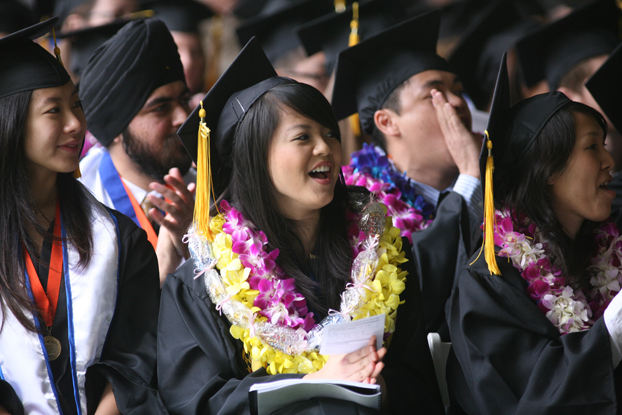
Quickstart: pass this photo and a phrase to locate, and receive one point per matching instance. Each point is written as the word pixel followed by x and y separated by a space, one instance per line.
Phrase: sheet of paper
pixel 349 337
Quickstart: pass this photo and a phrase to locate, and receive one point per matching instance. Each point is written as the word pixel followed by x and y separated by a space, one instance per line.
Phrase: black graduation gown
pixel 201 369
pixel 512 360
pixel 616 205
pixel 441 252
pixel 128 358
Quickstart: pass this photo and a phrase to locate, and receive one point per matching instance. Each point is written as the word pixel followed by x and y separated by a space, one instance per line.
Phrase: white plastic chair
pixel 439 351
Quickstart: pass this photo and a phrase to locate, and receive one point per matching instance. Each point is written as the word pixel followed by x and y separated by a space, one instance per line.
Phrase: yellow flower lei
pixel 383 297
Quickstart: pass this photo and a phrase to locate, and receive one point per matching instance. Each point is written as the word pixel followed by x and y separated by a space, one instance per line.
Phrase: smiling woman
pixel 71 338
pixel 285 244
pixel 535 320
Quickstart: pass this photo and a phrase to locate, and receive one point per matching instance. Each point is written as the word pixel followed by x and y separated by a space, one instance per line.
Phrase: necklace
pixel 372 169
pixel 266 312
pixel 48 301
pixel 570 310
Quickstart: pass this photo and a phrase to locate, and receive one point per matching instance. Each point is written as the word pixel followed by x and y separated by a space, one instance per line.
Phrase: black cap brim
pixel 606 87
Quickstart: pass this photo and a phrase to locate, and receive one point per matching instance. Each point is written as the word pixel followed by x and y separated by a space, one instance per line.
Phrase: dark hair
pixel 394 104
pixel 252 192
pixel 18 212
pixel 526 190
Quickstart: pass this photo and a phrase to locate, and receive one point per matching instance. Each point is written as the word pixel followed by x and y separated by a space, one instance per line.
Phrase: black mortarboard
pixel 180 15
pixel 247 78
pixel 14 16
pixel 330 33
pixel 245 9
pixel 606 87
pixel 123 72
pixel 367 73
pixel 223 108
pixel 275 27
pixel 476 58
pixel 25 66
pixel 553 50
pixel 85 41
pixel 511 132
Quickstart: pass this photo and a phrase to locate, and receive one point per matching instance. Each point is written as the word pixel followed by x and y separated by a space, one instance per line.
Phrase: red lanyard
pixel 47 302
pixel 142 218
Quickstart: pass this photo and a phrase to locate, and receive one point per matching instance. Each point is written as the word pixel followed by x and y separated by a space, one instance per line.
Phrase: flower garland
pixel 372 169
pixel 570 310
pixel 267 314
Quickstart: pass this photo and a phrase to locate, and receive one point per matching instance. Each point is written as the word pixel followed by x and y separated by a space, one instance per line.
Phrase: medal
pixel 47 301
pixel 52 346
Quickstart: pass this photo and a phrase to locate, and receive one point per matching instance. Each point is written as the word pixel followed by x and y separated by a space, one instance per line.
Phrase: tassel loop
pixel 204 180
pixel 354 39
pixel 489 213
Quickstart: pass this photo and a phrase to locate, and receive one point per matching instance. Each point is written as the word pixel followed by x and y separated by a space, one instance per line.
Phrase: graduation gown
pixel 127 357
pixel 512 360
pixel 201 369
pixel 441 252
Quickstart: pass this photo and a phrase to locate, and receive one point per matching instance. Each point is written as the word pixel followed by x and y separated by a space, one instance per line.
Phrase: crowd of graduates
pixel 194 190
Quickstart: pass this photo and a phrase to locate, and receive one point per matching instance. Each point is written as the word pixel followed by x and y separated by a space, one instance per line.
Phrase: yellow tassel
pixel 77 173
pixel 489 213
pixel 57 49
pixel 354 39
pixel 340 6
pixel 204 180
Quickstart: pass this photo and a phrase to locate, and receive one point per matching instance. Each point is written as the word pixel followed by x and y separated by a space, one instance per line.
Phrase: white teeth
pixel 321 169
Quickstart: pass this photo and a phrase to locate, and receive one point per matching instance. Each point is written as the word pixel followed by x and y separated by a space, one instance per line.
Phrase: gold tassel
pixel 57 49
pixel 340 6
pixel 204 179
pixel 77 173
pixel 489 213
pixel 354 39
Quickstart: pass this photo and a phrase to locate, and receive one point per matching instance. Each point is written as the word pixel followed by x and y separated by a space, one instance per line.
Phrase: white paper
pixel 349 337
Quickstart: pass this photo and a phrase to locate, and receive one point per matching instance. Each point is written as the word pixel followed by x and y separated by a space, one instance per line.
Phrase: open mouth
pixel 321 172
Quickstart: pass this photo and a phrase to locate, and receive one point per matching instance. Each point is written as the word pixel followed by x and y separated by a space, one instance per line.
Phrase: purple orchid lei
pixel 277 298
pixel 373 170
pixel 570 310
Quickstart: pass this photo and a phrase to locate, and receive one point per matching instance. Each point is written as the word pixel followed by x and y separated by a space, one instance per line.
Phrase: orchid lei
pixel 372 169
pixel 570 310
pixel 267 314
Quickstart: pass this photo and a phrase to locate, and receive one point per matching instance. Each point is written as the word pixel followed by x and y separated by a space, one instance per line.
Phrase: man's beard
pixel 157 165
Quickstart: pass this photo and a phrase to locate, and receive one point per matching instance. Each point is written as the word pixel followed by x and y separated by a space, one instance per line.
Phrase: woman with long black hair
pixel 78 282
pixel 287 251
pixel 535 321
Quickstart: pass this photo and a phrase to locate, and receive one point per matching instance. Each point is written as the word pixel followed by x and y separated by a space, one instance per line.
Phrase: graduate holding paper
pixel 286 246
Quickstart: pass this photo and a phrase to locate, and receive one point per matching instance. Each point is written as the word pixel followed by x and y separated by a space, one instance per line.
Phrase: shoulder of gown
pixel 513 360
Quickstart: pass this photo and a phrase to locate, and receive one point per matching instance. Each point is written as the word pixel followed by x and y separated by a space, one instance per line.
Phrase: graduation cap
pixel 553 50
pixel 245 9
pixel 367 73
pixel 511 132
pixel 476 58
pixel 606 87
pixel 25 66
pixel 275 27
pixel 85 41
pixel 123 72
pixel 331 33
pixel 209 131
pixel 180 15
pixel 14 16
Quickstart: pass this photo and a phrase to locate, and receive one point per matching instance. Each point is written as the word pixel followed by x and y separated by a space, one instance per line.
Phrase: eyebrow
pixel 57 98
pixel 435 82
pixel 301 126
pixel 164 99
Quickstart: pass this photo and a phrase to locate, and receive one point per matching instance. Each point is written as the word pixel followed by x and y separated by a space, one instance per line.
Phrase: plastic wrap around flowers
pixel 372 169
pixel 261 302
pixel 570 310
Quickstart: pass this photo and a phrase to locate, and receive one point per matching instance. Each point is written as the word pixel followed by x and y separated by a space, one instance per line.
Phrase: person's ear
pixel 385 121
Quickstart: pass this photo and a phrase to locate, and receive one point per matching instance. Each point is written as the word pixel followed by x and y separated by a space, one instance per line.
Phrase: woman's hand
pixel 107 403
pixel 363 365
